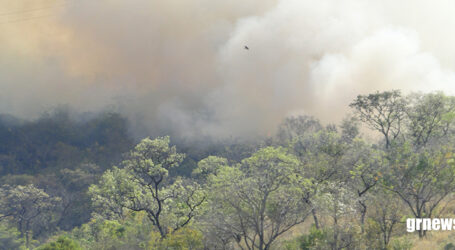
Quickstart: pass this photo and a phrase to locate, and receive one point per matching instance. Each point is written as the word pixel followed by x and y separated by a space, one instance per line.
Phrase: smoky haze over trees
pixel 87 184
pixel 180 68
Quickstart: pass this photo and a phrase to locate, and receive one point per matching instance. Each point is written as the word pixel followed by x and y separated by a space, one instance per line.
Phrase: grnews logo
pixel 428 224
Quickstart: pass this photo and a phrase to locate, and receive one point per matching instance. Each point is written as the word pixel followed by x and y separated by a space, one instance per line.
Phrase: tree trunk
pixel 315 218
pixel 422 233
pixel 27 234
pixel 160 228
pixel 155 220
pixel 363 212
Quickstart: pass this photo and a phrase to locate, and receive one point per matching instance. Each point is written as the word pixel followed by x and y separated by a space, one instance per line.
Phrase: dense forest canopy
pixel 72 183
pixel 58 141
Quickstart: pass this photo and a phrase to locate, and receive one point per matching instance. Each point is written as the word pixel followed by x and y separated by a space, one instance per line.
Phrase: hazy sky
pixel 179 65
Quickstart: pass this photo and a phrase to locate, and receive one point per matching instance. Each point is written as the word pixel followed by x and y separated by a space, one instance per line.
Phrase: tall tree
pixel 28 207
pixel 295 127
pixel 321 154
pixel 421 179
pixel 429 117
pixel 257 201
pixel 383 112
pixel 143 184
pixel 387 213
pixel 365 166
pixel 337 202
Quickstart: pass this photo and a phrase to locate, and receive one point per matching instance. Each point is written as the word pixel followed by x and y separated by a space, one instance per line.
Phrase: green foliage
pixel 10 238
pixel 423 178
pixel 373 234
pixel 401 244
pixel 72 186
pixel 383 112
pixel 208 166
pixel 183 239
pixel 314 238
pixel 257 197
pixel 321 154
pixel 244 194
pixel 449 246
pixel 297 127
pixel 320 239
pixel 130 233
pixel 61 243
pixel 53 153
pixel 29 208
pixel 141 186
pixel 57 140
pixel 21 179
pixel 429 117
pixel 102 234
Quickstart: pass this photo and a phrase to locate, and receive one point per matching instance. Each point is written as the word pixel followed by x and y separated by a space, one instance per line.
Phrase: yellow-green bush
pixel 183 239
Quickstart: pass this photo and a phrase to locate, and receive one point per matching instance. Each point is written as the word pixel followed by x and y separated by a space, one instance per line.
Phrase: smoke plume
pixel 180 67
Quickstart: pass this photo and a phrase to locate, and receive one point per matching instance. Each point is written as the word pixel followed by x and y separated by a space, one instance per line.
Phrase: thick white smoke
pixel 179 66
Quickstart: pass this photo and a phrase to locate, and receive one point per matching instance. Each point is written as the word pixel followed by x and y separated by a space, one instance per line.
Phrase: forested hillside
pixel 84 182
